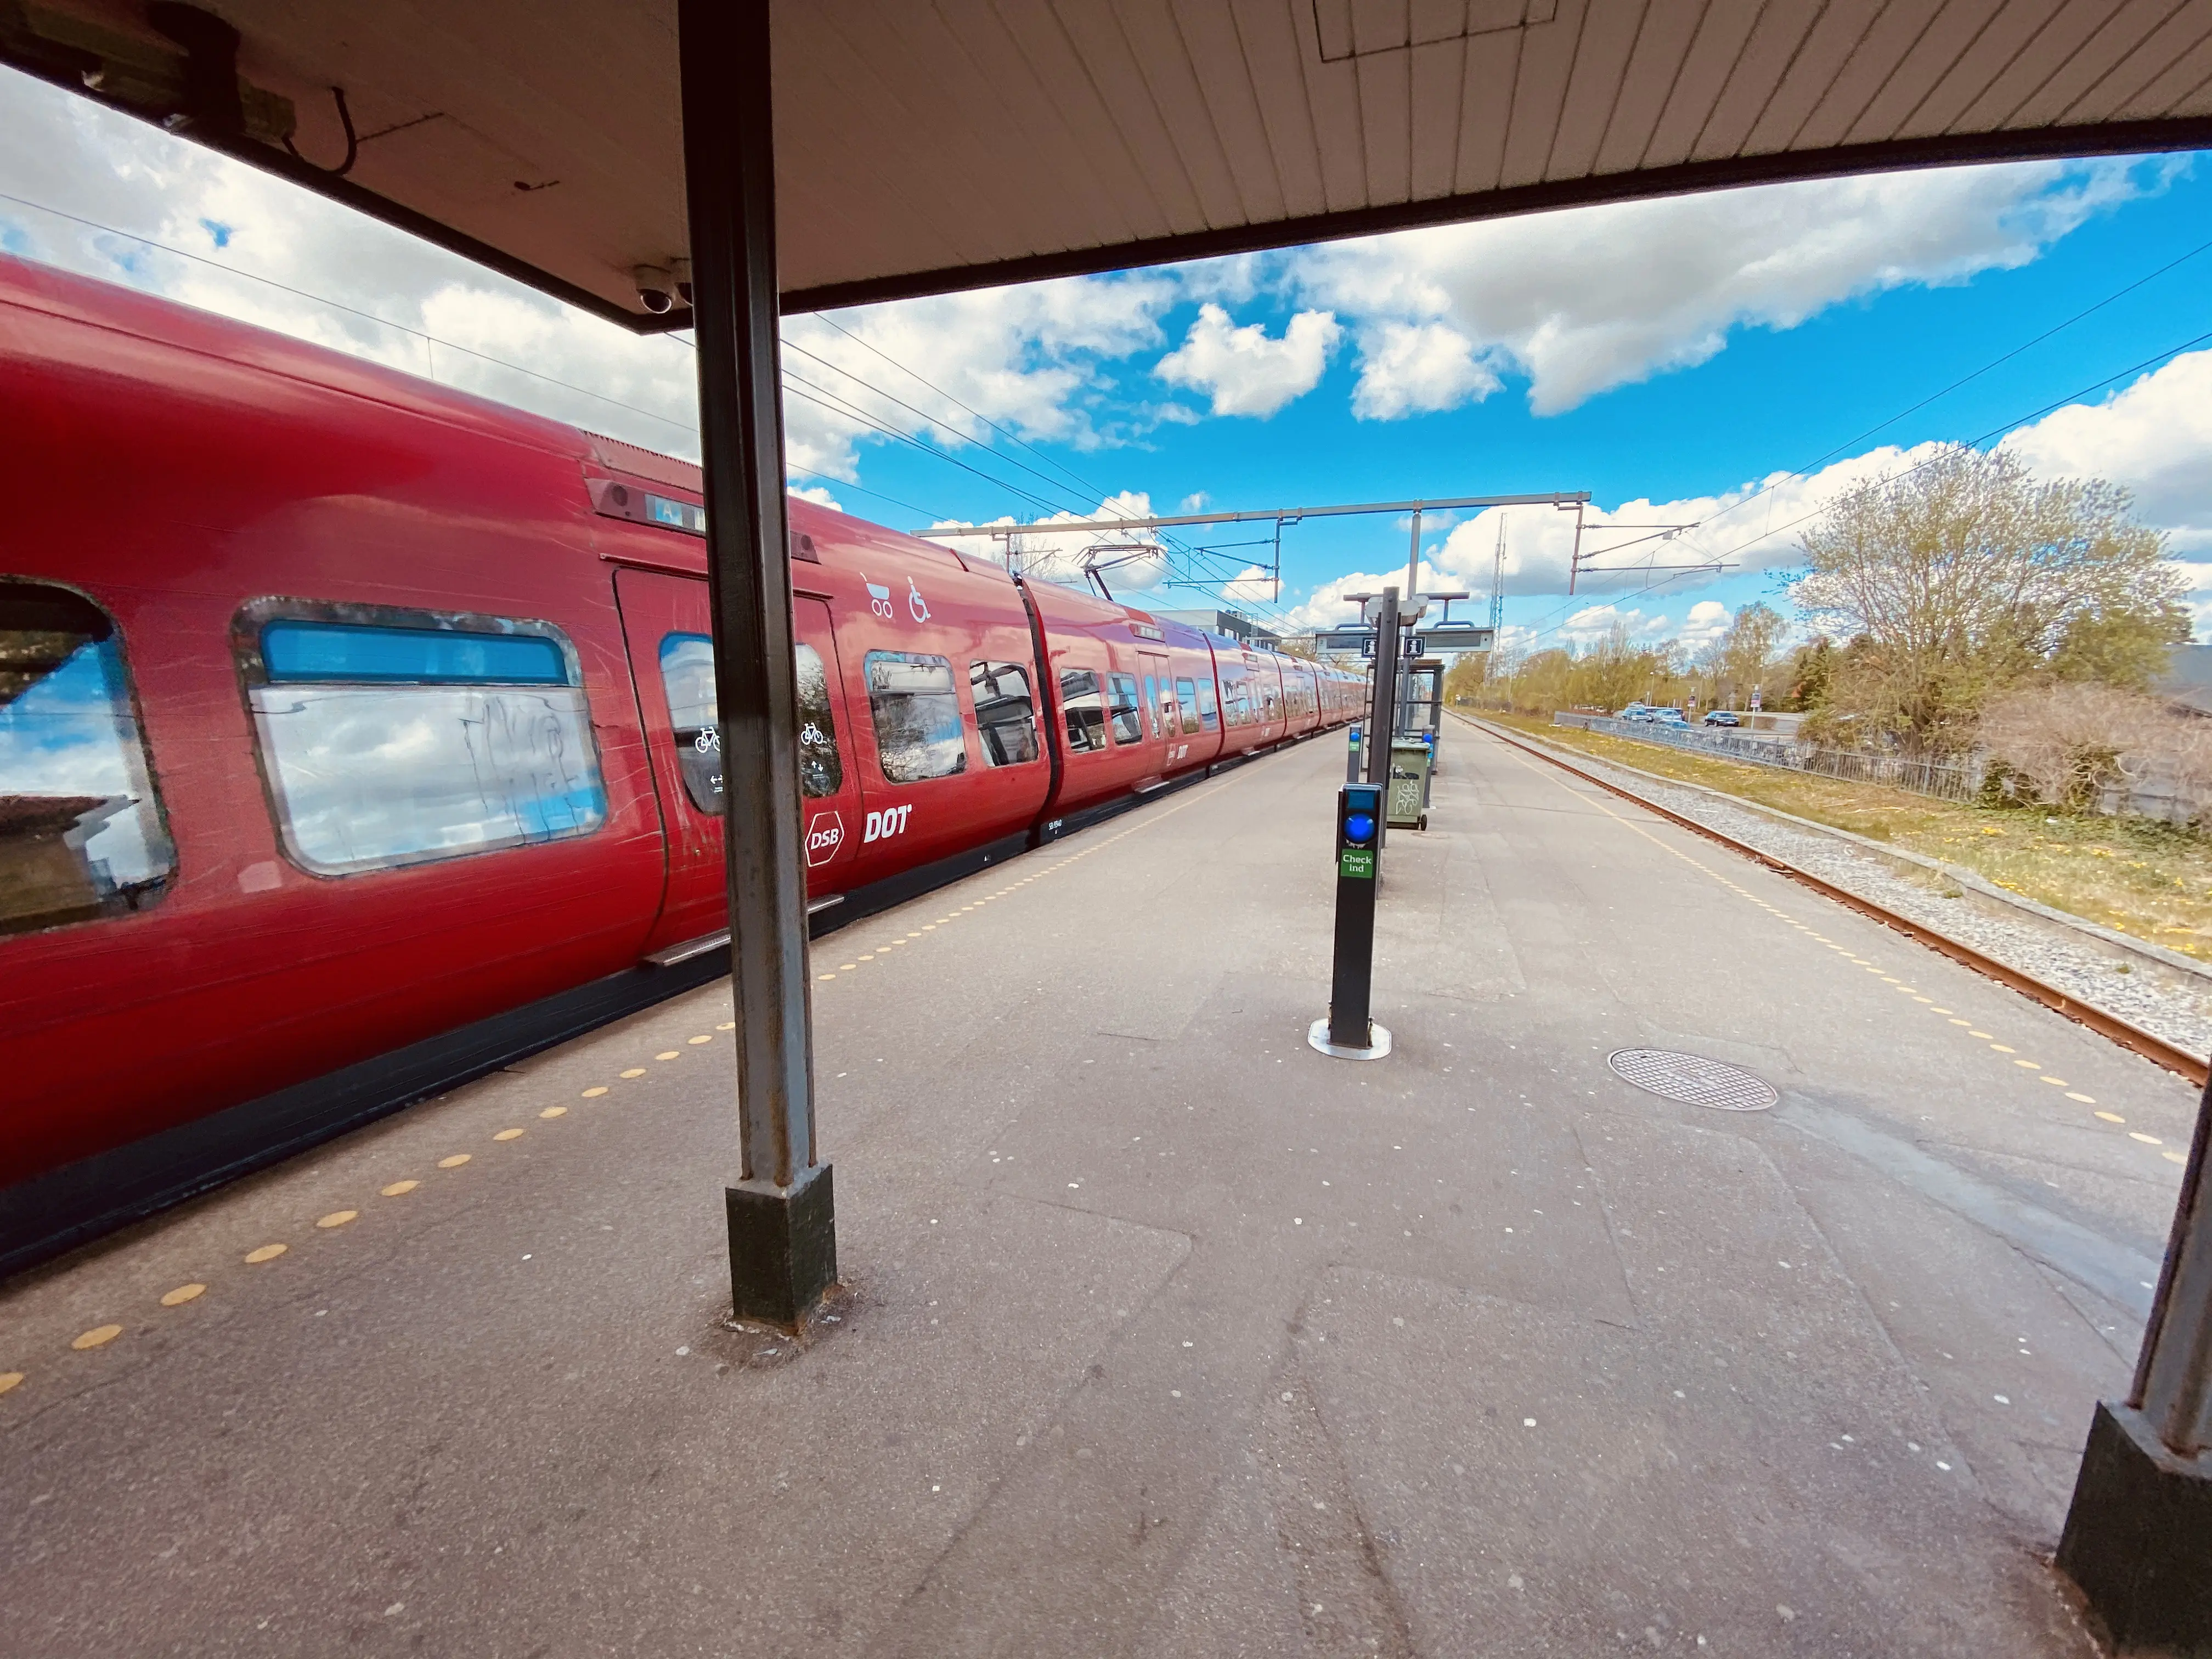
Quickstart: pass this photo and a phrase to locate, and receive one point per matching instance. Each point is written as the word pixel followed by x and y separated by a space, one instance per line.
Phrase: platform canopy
pixel 926 145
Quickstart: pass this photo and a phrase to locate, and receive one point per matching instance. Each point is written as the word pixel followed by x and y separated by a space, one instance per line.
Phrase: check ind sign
pixel 1357 863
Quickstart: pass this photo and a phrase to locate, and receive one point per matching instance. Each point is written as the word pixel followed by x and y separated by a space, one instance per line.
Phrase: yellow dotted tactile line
pixel 100 1335
pixel 2169 1153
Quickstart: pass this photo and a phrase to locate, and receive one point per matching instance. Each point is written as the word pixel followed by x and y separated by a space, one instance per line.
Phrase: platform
pixel 1168 1335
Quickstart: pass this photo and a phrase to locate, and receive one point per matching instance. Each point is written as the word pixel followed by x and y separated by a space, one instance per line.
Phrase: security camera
pixel 653 284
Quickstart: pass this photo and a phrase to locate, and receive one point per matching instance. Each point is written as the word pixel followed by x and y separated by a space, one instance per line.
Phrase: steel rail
pixel 2156 1049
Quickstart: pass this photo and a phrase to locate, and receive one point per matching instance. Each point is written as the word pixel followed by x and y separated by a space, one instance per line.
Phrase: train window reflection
pixel 1186 699
pixel 369 770
pixel 686 675
pixel 1121 704
pixel 1270 702
pixel 1006 719
pixel 1208 716
pixel 1237 699
pixel 917 713
pixel 1084 707
pixel 81 833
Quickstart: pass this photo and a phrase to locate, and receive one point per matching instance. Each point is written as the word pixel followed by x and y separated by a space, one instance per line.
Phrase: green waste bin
pixel 1409 784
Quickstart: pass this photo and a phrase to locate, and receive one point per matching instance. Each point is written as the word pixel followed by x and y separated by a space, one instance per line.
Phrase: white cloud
pixel 1021 358
pixel 1418 368
pixel 1254 585
pixel 1244 371
pixel 1708 620
pixel 820 497
pixel 2155 437
pixel 1130 561
pixel 1587 298
pixel 1595 623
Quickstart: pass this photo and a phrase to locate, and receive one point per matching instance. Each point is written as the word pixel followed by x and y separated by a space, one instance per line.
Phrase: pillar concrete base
pixel 783 1247
pixel 2138 1540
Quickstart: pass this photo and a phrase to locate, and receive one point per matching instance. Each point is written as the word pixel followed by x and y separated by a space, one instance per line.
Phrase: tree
pixel 1466 678
pixel 1740 658
pixel 1966 576
pixel 1812 666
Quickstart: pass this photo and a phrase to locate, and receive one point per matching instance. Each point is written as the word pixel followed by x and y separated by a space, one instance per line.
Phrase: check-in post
pixel 1347 1032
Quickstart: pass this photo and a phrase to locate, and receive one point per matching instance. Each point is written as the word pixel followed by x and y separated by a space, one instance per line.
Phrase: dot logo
pixel 825 834
pixel 891 820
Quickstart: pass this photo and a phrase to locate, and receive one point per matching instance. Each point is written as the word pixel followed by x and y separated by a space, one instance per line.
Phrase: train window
pixel 1084 707
pixel 1166 706
pixel 1208 717
pixel 686 675
pixel 1187 700
pixel 81 830
pixel 1237 700
pixel 1006 719
pixel 917 714
pixel 1153 703
pixel 1270 702
pixel 1121 704
pixel 406 742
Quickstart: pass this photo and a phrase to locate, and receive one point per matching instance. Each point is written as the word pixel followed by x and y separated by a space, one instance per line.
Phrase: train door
pixel 665 625
pixel 1160 719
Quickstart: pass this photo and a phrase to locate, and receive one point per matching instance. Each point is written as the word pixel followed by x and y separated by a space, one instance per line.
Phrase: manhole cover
pixel 1694 1078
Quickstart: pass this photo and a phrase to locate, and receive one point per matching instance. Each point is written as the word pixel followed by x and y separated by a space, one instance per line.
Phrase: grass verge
pixel 2136 876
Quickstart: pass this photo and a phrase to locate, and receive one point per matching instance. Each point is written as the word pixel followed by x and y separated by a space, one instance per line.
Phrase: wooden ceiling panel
pixel 1723 29
pixel 2072 77
pixel 1593 86
pixel 1767 53
pixel 1486 107
pixel 2185 88
pixel 1984 63
pixel 1539 92
pixel 1663 34
pixel 1232 103
pixel 2165 48
pixel 1277 62
pixel 1843 64
pixel 1385 130
pixel 1439 79
pixel 1934 53
pixel 929 144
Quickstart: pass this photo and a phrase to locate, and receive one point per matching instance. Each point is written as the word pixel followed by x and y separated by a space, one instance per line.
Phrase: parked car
pixel 1721 717
pixel 1635 711
pixel 1666 716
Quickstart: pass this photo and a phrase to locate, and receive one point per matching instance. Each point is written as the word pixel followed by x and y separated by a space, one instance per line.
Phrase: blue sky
pixel 1662 356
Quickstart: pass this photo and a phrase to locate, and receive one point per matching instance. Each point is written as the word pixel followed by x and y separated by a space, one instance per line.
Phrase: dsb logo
pixel 825 834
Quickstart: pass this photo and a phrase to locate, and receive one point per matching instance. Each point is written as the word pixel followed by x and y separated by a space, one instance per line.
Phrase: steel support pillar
pixel 1382 721
pixel 783 1250
pixel 2138 1538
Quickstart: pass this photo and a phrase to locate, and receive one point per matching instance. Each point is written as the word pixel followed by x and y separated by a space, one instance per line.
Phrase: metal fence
pixel 1946 782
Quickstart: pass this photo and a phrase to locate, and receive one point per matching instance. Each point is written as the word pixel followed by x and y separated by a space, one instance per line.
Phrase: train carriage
pixel 357 735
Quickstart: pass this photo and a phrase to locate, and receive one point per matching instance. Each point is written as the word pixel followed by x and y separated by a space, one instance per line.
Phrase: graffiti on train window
pixel 81 832
pixel 1121 705
pixel 390 745
pixel 1006 719
pixel 1084 707
pixel 916 708
pixel 686 675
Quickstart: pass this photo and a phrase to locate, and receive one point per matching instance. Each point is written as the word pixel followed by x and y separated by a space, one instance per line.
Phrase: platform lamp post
pixel 2138 1539
pixel 783 1248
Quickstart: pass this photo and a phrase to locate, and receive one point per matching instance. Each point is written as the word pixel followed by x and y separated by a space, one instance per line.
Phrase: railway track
pixel 2154 1048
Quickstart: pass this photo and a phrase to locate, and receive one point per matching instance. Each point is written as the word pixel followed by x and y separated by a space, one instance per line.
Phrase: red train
pixel 357 736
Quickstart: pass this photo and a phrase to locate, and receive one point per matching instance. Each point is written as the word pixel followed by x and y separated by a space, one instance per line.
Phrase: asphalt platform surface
pixel 1167 1336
